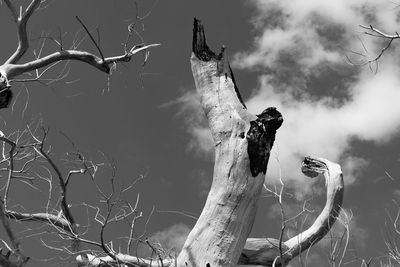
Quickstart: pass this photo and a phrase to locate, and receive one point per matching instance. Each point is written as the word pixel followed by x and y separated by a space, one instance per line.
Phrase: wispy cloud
pixel 301 46
pixel 194 122
pixel 324 128
pixel 311 31
pixel 172 238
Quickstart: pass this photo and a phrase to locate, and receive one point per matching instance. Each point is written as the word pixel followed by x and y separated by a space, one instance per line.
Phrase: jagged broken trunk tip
pixel 228 215
pixel 201 50
pixel 199 44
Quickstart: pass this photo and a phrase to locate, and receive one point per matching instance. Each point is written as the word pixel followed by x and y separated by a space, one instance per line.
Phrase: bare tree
pixel 242 146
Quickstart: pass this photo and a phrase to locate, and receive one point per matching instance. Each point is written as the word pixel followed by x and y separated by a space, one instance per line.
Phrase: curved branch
pixel 12 70
pixel 263 251
pixel 334 197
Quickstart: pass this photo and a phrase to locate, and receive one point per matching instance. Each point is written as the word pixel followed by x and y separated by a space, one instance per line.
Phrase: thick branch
pixel 379 33
pixel 21 21
pixel 263 251
pixel 47 218
pixel 13 70
pixel 334 197
pixel 127 260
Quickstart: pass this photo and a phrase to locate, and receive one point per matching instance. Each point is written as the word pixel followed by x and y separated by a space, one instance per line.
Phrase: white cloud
pixel 322 128
pixel 192 115
pixel 314 127
pixel 311 31
pixel 301 41
pixel 172 238
pixel 353 167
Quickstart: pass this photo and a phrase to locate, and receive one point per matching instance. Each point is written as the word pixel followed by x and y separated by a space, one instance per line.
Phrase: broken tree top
pixel 200 47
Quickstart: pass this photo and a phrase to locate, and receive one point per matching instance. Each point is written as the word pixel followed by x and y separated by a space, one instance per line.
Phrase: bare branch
pixel 47 218
pixel 13 70
pixel 379 32
pixel 64 205
pixel 266 251
pixel 10 167
pixel 21 258
pixel 91 37
pixel 95 261
pixel 12 10
pixel 21 21
pixel 372 31
pixel 323 223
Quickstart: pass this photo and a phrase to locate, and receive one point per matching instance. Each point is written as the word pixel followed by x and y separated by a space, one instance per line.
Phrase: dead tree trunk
pixel 242 145
pixel 228 215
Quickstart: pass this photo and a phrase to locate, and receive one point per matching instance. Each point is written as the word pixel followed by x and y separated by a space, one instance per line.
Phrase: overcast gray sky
pixel 285 53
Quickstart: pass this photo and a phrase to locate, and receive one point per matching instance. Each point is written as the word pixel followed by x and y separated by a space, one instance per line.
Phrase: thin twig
pixel 91 37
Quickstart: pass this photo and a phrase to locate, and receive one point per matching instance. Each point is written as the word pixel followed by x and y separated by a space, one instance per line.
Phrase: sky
pixel 299 56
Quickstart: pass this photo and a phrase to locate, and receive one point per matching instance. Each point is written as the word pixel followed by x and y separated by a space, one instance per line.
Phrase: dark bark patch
pixel 312 167
pixel 261 137
pixel 237 89
pixel 5 98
